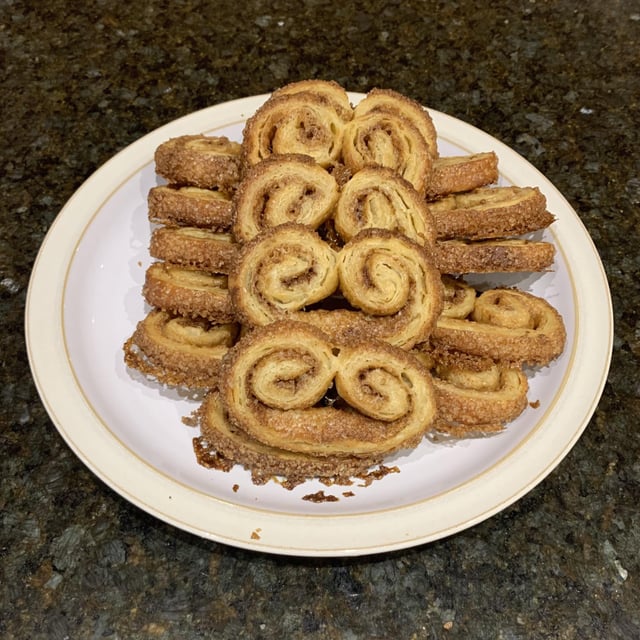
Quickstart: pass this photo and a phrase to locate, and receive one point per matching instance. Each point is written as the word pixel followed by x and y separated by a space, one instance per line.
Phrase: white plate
pixel 85 299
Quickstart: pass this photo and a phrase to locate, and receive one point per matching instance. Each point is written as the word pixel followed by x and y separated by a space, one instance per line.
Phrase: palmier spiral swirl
pixel 283 188
pixel 506 325
pixel 306 122
pixel 281 271
pixel 274 377
pixel 393 280
pixel 179 351
pixel 376 197
pixel 387 139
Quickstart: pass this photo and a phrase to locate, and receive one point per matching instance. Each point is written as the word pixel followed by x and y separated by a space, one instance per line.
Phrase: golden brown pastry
pixel 493 256
pixel 477 397
pixel 491 212
pixel 506 325
pixel 309 122
pixel 188 292
pixel 283 188
pixel 457 174
pixel 201 161
pixel 219 438
pixel 385 138
pixel 459 297
pixel 190 206
pixel 394 282
pixel 179 351
pixel 274 378
pixel 389 100
pixel 281 271
pixel 329 90
pixel 376 197
pixel 194 247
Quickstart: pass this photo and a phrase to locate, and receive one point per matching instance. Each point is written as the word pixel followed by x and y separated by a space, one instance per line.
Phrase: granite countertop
pixel 557 81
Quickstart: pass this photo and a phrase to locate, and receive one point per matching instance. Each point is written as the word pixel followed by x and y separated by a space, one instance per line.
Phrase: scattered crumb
pixel 320 496
pixel 348 494
pixel 535 404
pixel 255 535
pixel 235 488
pixel 377 474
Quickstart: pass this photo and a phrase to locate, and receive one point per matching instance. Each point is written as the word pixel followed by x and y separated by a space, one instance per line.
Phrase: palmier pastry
pixel 376 197
pixel 457 174
pixel 475 396
pixel 190 206
pixel 389 100
pixel 275 376
pixel 188 292
pixel 283 188
pixel 179 351
pixel 386 138
pixel 494 212
pixel 305 122
pixel 280 271
pixel 194 247
pixel 505 325
pixel 493 256
pixel 393 280
pixel 200 161
pixel 222 442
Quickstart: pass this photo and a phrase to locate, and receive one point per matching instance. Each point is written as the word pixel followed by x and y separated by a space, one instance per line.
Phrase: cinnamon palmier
pixel 200 161
pixel 281 271
pixel 477 396
pixel 394 282
pixel 221 443
pixel 389 100
pixel 506 325
pixel 493 256
pixel 190 206
pixel 179 351
pixel 283 188
pixel 491 212
pixel 457 174
pixel 273 378
pixel 387 139
pixel 304 122
pixel 376 197
pixel 194 247
pixel 188 292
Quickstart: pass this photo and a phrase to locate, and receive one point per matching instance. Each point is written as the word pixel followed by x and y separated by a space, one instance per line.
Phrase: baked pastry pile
pixel 310 280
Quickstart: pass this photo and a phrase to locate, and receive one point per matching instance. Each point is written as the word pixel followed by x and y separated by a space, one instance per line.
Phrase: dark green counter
pixel 557 81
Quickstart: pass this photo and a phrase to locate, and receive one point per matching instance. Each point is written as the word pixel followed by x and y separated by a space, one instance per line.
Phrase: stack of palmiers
pixel 310 280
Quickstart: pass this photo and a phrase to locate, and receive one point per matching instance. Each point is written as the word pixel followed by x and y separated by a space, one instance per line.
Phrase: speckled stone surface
pixel 557 81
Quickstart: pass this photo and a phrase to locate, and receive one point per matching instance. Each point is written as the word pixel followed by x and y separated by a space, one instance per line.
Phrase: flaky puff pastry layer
pixel 274 378
pixel 506 325
pixel 509 255
pixel 201 161
pixel 306 118
pixel 188 292
pixel 194 247
pixel 190 206
pixel 222 444
pixel 376 197
pixel 491 212
pixel 179 351
pixel 283 188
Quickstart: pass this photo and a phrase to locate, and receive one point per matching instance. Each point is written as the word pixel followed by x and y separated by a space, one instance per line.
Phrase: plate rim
pixel 257 530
